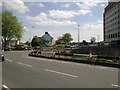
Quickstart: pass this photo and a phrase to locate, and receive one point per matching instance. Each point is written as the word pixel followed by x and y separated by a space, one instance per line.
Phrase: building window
pixel 113 35
pixel 118 34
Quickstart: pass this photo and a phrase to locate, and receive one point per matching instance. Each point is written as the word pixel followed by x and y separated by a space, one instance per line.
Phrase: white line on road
pixel 113 85
pixel 61 73
pixel 28 65
pixel 8 60
pixel 4 86
pixel 20 63
pixel 24 64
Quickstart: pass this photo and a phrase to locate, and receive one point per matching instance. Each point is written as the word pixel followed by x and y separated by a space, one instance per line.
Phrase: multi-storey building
pixel 112 22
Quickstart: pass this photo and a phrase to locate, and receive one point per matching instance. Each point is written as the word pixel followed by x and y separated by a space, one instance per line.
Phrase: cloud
pixel 87 5
pixel 66 5
pixel 18 6
pixel 57 17
pixel 0 4
pixel 43 20
pixel 83 12
pixel 36 4
pixel 41 5
pixel 62 14
pixel 92 30
pixel 103 5
pixel 53 17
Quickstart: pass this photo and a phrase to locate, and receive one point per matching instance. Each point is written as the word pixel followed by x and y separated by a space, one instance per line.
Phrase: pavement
pixel 22 71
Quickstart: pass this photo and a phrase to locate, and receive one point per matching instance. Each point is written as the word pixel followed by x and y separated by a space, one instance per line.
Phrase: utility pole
pixel 30 34
pixel 98 38
pixel 78 34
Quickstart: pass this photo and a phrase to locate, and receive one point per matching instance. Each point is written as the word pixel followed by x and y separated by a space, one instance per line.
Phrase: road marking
pixel 28 65
pixel 114 85
pixel 20 63
pixel 4 86
pixel 61 73
pixel 9 60
pixel 24 64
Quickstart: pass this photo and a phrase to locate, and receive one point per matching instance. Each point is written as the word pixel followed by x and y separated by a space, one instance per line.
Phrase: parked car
pixel 2 58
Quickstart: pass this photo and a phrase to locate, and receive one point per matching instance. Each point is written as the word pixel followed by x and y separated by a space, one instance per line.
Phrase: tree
pixel 67 38
pixel 11 28
pixel 84 42
pixel 28 43
pixel 93 39
pixel 59 38
pixel 36 41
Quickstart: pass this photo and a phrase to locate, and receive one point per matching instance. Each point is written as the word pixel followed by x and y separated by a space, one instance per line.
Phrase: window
pixel 118 34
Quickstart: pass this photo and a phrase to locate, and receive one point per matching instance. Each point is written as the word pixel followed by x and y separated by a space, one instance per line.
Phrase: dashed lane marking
pixel 4 86
pixel 24 64
pixel 114 85
pixel 28 65
pixel 61 73
pixel 8 60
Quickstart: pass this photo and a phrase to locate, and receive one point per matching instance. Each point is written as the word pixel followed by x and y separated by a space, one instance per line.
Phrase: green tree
pixel 28 43
pixel 67 38
pixel 11 28
pixel 36 41
pixel 59 38
pixel 93 39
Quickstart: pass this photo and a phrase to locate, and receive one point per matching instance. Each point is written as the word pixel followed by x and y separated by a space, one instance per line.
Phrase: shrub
pixel 109 61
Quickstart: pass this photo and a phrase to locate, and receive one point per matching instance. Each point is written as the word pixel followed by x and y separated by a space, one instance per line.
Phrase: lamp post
pixel 30 33
pixel 78 34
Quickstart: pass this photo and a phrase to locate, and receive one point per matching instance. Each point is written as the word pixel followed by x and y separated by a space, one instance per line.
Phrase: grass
pixel 61 45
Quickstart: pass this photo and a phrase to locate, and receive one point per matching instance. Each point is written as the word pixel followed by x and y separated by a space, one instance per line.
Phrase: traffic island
pixel 84 60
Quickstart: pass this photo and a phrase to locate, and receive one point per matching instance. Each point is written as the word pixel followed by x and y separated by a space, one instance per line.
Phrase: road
pixel 22 71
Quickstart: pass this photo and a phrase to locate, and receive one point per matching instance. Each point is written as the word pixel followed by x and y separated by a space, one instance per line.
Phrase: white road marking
pixel 104 67
pixel 28 65
pixel 61 73
pixel 8 60
pixel 24 64
pixel 4 86
pixel 20 63
pixel 113 85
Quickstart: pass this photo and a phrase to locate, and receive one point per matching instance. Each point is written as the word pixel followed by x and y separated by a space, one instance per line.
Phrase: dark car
pixel 2 58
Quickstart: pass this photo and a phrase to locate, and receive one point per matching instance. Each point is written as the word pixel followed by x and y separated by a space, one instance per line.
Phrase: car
pixel 2 58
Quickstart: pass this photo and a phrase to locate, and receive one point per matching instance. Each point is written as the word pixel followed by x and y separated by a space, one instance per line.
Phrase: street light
pixel 31 33
pixel 78 34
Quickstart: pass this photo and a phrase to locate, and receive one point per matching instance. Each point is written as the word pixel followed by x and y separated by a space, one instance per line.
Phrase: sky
pixel 59 18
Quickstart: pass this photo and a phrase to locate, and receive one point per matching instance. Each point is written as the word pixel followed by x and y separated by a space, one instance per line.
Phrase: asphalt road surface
pixel 22 71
